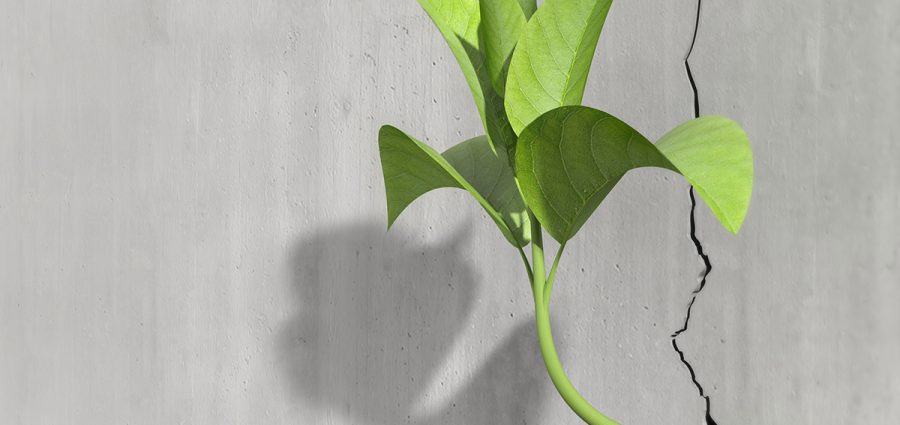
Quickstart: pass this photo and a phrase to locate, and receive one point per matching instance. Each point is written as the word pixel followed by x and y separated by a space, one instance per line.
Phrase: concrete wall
pixel 192 222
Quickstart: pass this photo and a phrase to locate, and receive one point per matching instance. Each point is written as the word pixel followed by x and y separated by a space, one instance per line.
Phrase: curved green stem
pixel 548 287
pixel 537 255
pixel 540 287
pixel 579 405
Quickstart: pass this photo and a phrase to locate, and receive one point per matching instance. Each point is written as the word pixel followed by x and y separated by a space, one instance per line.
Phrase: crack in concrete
pixel 699 246
pixel 707 269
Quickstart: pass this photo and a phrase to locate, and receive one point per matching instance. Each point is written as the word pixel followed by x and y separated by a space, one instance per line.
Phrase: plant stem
pixel 545 337
pixel 548 287
pixel 537 255
pixel 527 264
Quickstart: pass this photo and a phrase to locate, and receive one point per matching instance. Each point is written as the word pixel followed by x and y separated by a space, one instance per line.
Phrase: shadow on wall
pixel 378 315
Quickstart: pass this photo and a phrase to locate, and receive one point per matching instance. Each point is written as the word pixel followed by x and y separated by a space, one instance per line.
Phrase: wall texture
pixel 192 222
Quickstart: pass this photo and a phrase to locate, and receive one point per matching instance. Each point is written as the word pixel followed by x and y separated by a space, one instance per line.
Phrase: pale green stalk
pixel 540 289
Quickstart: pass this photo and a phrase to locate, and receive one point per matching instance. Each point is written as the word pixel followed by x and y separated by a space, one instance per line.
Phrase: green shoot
pixel 546 162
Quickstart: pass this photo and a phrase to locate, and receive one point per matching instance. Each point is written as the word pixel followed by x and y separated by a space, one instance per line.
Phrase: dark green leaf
pixel 528 6
pixel 570 158
pixel 412 168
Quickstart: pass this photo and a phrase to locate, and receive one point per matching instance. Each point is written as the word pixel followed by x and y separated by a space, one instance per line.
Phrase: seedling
pixel 547 162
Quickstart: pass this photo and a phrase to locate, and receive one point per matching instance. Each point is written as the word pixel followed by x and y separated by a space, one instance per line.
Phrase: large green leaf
pixel 550 65
pixel 501 24
pixel 412 168
pixel 570 158
pixel 713 154
pixel 460 22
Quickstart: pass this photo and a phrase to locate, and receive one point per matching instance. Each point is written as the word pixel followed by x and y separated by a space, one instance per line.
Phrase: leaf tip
pixel 390 222
pixel 386 130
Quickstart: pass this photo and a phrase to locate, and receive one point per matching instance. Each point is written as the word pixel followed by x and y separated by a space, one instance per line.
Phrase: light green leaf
pixel 713 154
pixel 528 6
pixel 501 24
pixel 550 65
pixel 569 159
pixel 412 168
pixel 459 21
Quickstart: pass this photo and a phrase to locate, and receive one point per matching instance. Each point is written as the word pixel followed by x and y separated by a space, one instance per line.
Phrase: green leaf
pixel 713 154
pixel 564 179
pixel 412 168
pixel 528 6
pixel 550 65
pixel 460 22
pixel 569 159
pixel 501 24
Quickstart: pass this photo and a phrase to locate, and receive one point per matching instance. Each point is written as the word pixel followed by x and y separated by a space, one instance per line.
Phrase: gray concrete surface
pixel 192 223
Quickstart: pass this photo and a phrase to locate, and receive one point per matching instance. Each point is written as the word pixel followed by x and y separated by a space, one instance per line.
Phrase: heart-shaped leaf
pixel 461 24
pixel 569 159
pixel 412 168
pixel 550 65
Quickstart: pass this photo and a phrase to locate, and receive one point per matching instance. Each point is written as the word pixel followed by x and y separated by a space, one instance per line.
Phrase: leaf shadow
pixel 376 316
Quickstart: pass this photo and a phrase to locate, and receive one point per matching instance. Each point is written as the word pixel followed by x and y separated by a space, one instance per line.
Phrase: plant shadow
pixel 376 316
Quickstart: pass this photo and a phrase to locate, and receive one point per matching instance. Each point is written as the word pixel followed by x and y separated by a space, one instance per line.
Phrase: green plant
pixel 546 162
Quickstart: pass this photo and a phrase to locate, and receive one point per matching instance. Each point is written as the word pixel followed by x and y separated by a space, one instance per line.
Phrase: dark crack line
pixel 687 317
pixel 687 65
pixel 699 246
